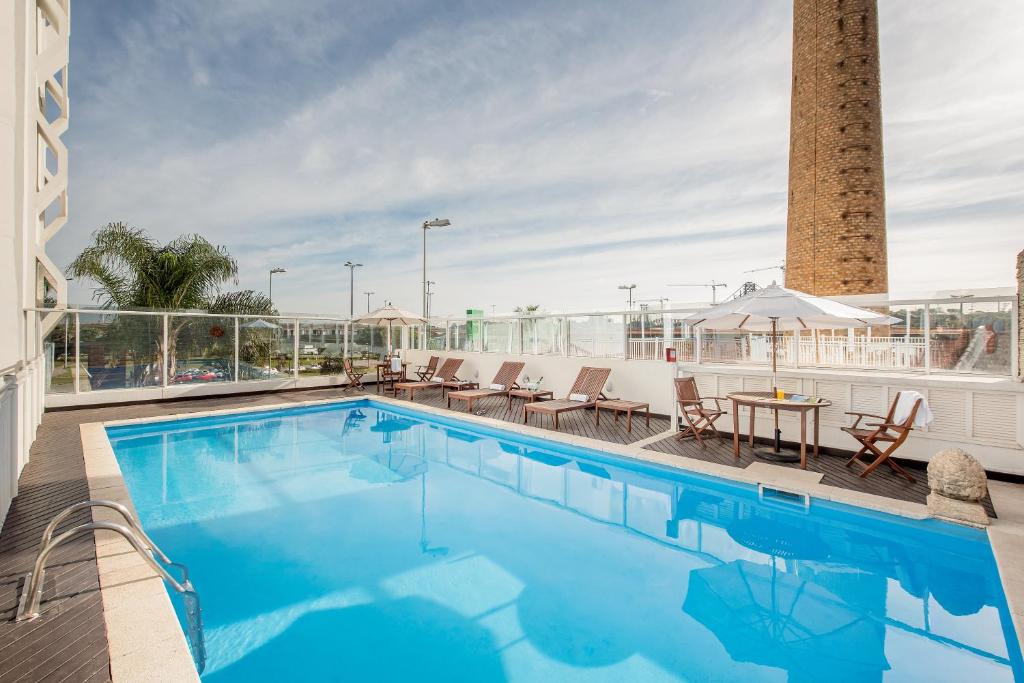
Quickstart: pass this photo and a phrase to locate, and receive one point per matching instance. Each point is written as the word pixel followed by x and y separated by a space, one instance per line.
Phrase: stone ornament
pixel 958 483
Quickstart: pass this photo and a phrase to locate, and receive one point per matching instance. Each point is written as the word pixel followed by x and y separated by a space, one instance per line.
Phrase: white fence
pixel 21 409
pixel 968 335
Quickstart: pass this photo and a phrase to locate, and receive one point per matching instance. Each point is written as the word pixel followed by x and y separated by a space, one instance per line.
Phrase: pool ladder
pixel 32 591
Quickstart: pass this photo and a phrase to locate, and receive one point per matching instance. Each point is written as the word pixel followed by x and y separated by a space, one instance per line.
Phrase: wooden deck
pixel 68 643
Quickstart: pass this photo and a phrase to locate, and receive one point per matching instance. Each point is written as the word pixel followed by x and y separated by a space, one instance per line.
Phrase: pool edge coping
pixel 1006 535
pixel 145 642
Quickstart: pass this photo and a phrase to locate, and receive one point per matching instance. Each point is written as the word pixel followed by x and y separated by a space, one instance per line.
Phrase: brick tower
pixel 835 233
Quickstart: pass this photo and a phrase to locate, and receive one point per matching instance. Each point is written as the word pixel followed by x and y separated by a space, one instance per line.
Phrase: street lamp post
pixel 427 225
pixel 630 289
pixel 270 289
pixel 352 286
pixel 430 294
pixel 368 300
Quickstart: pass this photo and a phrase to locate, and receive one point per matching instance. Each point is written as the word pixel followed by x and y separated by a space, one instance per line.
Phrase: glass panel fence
pixel 458 335
pixel 646 336
pixel 202 350
pixel 500 336
pixel 597 336
pixel 971 337
pixel 321 345
pixel 59 354
pixel 120 351
pixel 436 335
pixel 368 345
pixel 724 346
pixel 544 336
pixel 265 348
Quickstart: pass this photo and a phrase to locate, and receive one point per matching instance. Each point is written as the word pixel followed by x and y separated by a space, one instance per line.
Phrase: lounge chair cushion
pixel 498 387
pixel 582 398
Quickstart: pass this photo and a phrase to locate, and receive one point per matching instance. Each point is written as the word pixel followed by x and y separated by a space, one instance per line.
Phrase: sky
pixel 575 146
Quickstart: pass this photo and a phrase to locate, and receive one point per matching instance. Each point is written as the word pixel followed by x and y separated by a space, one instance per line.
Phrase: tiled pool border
pixel 147 643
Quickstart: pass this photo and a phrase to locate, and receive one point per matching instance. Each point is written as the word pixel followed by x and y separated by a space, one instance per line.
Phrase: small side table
pixel 530 395
pixel 620 406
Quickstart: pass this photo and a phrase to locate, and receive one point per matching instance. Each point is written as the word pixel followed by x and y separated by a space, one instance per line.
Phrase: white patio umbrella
pixel 776 308
pixel 390 315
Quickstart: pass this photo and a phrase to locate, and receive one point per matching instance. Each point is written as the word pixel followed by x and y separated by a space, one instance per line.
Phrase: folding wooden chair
pixel 425 372
pixel 354 378
pixel 697 417
pixel 887 433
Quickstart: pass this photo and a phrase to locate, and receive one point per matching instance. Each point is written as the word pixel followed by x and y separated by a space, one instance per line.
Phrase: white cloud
pixel 571 145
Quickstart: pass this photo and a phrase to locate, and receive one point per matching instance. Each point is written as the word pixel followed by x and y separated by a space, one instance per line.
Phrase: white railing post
pixel 164 360
pixel 78 352
pixel 927 339
pixel 698 345
pixel 625 337
pixel 237 350
pixel 344 338
pixel 295 349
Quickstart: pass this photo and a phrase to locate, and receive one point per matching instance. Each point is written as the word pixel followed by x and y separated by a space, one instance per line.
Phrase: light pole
pixel 427 225
pixel 352 286
pixel 429 295
pixel 270 289
pixel 630 289
pixel 368 300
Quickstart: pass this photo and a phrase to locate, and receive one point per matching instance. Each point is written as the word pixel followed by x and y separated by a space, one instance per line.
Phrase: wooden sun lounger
pixel 590 383
pixel 506 376
pixel 445 374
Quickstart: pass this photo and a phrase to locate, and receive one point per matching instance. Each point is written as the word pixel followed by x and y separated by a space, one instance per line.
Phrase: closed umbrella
pixel 776 308
pixel 390 315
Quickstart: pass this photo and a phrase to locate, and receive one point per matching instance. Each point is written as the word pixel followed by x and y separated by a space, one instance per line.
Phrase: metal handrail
pixel 31 594
pixel 32 590
pixel 118 507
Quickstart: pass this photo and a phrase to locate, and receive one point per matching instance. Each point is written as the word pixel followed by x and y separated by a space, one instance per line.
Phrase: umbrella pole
pixel 775 381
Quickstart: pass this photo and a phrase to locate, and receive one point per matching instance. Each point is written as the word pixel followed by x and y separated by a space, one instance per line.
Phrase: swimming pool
pixel 364 541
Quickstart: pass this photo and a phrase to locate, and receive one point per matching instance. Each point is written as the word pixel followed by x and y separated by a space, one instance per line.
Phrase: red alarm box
pixel 670 355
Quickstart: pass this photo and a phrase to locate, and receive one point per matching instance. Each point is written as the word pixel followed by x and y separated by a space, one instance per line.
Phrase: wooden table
pixel 384 371
pixel 620 406
pixel 766 399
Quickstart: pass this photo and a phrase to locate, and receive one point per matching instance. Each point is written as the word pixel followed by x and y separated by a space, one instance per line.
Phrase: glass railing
pixel 952 335
pixel 97 350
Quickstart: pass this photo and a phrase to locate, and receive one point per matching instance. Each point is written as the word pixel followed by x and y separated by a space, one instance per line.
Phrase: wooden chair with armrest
pixel 697 417
pixel 881 439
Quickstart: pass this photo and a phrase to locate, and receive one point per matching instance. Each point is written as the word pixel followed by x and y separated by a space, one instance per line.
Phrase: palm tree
pixel 134 271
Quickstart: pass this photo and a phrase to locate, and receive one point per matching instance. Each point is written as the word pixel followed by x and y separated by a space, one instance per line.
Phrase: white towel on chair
pixel 498 387
pixel 905 404
pixel 396 364
pixel 581 398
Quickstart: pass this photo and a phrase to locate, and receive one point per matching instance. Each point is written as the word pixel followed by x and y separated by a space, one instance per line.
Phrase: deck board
pixel 68 643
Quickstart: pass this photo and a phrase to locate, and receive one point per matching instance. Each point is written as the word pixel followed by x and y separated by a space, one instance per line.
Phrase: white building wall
pixel 33 207
pixel 982 415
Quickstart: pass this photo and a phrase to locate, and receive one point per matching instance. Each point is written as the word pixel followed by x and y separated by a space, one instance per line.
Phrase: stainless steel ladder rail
pixel 32 591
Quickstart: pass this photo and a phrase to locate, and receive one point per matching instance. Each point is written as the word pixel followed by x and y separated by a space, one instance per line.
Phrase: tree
pixel 134 271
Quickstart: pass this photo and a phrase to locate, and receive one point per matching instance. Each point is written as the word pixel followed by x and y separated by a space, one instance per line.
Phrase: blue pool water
pixel 365 543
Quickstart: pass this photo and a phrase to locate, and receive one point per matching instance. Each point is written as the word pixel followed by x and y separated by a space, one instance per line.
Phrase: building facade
pixel 835 233
pixel 33 208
